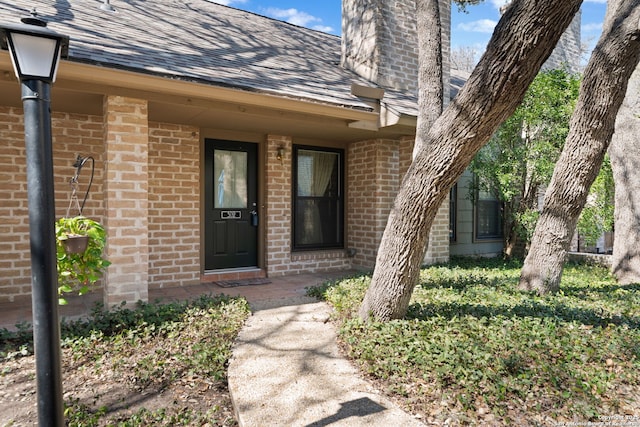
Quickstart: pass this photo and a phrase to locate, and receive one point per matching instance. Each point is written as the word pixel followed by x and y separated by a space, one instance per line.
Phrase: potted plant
pixel 79 268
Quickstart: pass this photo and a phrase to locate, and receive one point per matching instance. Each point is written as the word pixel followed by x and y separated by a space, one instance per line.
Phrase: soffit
pixel 203 107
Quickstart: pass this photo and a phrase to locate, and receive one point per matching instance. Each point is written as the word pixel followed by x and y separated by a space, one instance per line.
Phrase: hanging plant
pixel 79 270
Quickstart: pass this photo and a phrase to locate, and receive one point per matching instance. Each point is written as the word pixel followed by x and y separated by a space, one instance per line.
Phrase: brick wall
pixel 376 169
pixel 78 135
pixel 154 225
pixel 173 257
pixel 278 205
pixel 380 41
pixel 151 204
pixel 126 140
pixel 72 134
pixel 438 250
pixel 174 205
pixel 15 264
pixel 373 173
pixel 380 44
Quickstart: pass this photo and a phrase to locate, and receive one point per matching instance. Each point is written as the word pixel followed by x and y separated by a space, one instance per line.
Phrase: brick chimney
pixel 379 41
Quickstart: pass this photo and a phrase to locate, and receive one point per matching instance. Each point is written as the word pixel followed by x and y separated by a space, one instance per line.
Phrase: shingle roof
pixel 202 41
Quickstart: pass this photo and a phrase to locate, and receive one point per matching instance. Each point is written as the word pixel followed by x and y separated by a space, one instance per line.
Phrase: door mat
pixel 242 282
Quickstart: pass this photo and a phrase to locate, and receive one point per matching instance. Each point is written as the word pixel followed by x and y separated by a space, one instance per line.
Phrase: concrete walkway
pixel 287 370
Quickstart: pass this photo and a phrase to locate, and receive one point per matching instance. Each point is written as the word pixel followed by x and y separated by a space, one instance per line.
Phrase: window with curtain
pixel 318 205
pixel 488 223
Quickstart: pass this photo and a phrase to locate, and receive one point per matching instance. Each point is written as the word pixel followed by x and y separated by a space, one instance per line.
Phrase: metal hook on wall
pixel 73 182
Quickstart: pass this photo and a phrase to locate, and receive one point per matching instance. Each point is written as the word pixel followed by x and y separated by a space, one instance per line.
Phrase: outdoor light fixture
pixel 280 153
pixel 35 52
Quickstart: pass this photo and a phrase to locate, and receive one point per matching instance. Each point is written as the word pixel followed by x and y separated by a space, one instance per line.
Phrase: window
pixel 453 212
pixel 488 216
pixel 318 204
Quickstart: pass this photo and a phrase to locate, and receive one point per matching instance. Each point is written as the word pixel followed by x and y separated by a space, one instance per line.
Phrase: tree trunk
pixel 521 42
pixel 625 162
pixel 430 83
pixel 592 124
pixel 429 67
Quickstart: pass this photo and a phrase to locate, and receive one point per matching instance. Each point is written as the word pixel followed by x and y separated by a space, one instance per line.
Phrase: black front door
pixel 231 228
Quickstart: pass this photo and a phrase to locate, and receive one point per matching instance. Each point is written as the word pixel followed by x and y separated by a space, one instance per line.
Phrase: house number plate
pixel 231 214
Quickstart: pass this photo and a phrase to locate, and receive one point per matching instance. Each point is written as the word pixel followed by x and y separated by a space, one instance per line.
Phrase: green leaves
pixel 598 213
pixel 520 158
pixel 78 272
pixel 496 352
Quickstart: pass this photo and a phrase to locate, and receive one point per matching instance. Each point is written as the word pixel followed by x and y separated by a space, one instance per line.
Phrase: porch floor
pixel 285 290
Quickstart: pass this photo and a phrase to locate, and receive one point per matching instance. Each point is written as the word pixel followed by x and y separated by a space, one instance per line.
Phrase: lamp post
pixel 35 52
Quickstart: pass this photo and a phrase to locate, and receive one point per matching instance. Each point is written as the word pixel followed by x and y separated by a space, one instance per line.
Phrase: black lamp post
pixel 35 52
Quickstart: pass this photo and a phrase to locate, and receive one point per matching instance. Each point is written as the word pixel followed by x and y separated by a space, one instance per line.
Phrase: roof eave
pixel 91 74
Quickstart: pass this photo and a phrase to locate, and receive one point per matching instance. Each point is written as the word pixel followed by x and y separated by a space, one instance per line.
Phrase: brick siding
pixel 438 245
pixel 173 197
pixel 371 193
pixel 380 43
pixel 438 249
pixel 72 135
pixel 14 222
pixel 278 205
pixel 151 207
pixel 376 170
pixel 174 205
pixel 126 142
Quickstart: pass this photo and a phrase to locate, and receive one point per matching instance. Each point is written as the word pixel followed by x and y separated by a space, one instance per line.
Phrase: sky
pixel 472 29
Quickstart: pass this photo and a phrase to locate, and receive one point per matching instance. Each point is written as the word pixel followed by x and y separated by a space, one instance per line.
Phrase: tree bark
pixel 521 42
pixel 624 153
pixel 430 82
pixel 592 124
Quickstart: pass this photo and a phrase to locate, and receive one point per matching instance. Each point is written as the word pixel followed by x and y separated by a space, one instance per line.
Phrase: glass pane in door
pixel 230 179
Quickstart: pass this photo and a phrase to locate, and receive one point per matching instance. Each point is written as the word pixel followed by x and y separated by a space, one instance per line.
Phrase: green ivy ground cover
pixel 475 351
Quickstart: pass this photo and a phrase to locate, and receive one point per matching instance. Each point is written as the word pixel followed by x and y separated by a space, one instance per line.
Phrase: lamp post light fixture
pixel 35 52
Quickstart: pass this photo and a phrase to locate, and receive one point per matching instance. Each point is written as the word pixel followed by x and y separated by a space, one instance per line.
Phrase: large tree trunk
pixel 521 42
pixel 592 124
pixel 430 67
pixel 625 163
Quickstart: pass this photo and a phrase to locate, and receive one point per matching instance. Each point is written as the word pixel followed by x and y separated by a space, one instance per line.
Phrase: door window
pixel 230 180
